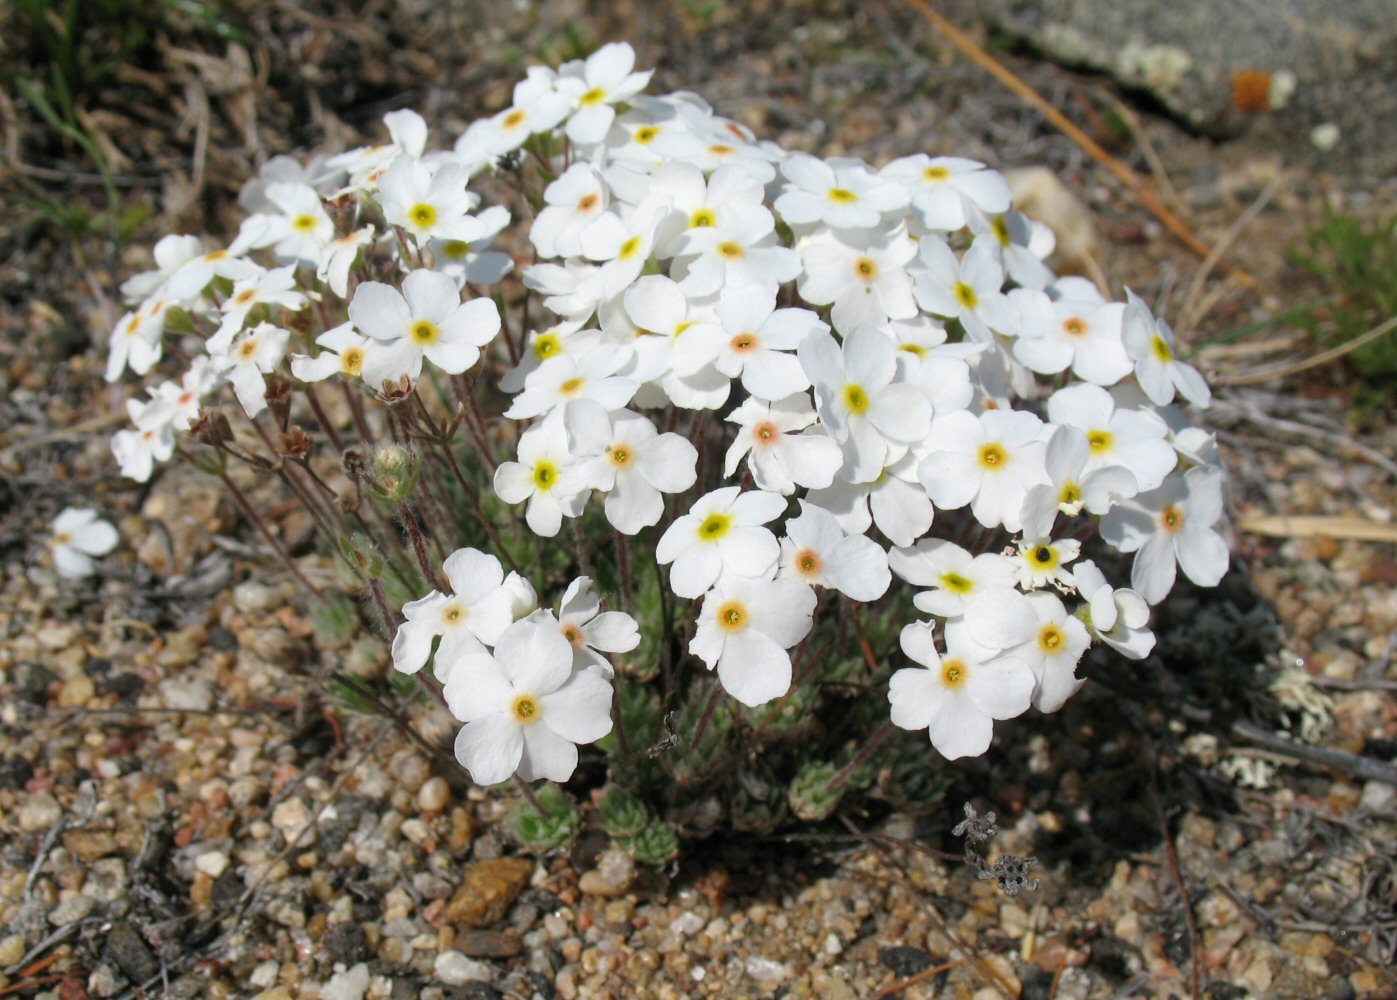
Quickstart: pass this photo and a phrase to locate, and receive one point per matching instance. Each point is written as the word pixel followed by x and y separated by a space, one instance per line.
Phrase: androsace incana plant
pixel 788 414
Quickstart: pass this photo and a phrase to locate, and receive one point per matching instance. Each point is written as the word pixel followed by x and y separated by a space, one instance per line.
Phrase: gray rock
pixel 129 951
pixel 1329 64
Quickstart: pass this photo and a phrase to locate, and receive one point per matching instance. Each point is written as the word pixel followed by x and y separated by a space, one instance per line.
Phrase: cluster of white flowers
pixel 886 344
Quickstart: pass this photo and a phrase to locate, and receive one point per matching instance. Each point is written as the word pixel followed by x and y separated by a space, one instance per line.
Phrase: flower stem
pixel 407 517
pixel 530 795
pixel 708 710
pixel 623 569
pixel 241 499
pixel 874 742
pixel 390 624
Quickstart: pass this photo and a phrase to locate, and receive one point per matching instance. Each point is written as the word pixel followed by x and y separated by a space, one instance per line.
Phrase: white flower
pixel 1078 329
pixel 745 629
pixel 152 440
pixel 1042 562
pixel 872 416
pixel 816 551
pixel 844 196
pixel 171 253
pixel 893 500
pixel 737 250
pixel 573 202
pixel 431 205
pixel 1119 618
pixel 1132 439
pixel 344 356
pixel 407 133
pixel 193 276
pixel 567 377
pixel 303 227
pixel 337 257
pixel 956 576
pixel 136 340
pixel 275 287
pixel 255 353
pixel 543 455
pixel 1150 344
pixel 623 455
pixel 426 319
pixel 78 536
pixel 1018 243
pixel 956 697
pixel 721 536
pixel 623 246
pixel 779 457
pixel 588 629
pixel 1042 634
pixel 525 709
pixel 561 338
pixel 178 404
pixel 474 263
pixel 537 107
pixel 474 615
pixel 1168 526
pixel 760 342
pixel 989 462
pixel 967 290
pixel 1069 488
pixel 864 276
pixel 940 188
pixel 594 86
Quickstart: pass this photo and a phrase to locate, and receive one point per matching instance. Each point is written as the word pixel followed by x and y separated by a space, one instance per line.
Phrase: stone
pixel 72 910
pixel 903 961
pixel 454 969
pixel 106 981
pixel 1279 68
pixel 488 890
pixel 349 985
pixel 613 875
pixel 186 694
pixel 212 863
pixel 76 692
pixel 346 942
pixel 489 944
pixel 434 795
pixel 12 949
pixel 290 817
pixel 90 845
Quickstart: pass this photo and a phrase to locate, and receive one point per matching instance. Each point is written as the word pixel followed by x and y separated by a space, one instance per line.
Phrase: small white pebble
pixel 265 974
pixel 455 969
pixel 351 985
pixel 212 864
pixel 833 946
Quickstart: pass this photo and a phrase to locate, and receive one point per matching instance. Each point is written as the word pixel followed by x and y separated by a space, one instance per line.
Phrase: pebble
pixel 72 910
pixel 489 944
pixel 613 875
pixel 487 891
pixel 411 770
pixel 349 985
pixel 12 949
pixel 434 795
pixel 186 693
pixel 76 692
pixel 212 863
pixel 250 597
pixel 765 970
pixel 265 974
pixel 290 817
pixel 455 969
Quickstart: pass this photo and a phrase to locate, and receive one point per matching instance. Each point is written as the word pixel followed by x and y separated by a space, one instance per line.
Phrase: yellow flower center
pixel 453 614
pixel 915 349
pixel 1074 327
pixel 246 296
pixel 1071 494
pixel 588 202
pixel 546 345
pixel 513 120
pixel 842 196
pixel 855 399
pixel 744 342
pixel 621 456
pixel 730 250
pixel 714 527
pixel 731 617
pixel 62 538
pixel 702 217
pixel 573 635
pixel 1051 639
pixel 765 432
pixel 935 174
pixel 216 255
pixel 720 150
pixel 954 673
pixel 966 296
pixel 1161 350
pixel 807 562
pixel 646 135
pixel 423 332
pixel 866 268
pixel 455 249
pixel 545 475
pixel 1000 228
pixel 352 361
pixel 527 709
pixel 247 349
pixel 1043 557
pixel 1100 441
pixel 954 581
pixel 629 248
pixel 1172 518
pixel 305 223
pixel 422 214
pixel 571 387
pixel 594 96
pixel 993 456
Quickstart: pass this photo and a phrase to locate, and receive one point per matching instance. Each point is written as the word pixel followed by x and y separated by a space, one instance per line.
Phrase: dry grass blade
pixel 1141 189
pixel 1315 361
pixel 1341 528
pixel 1193 311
